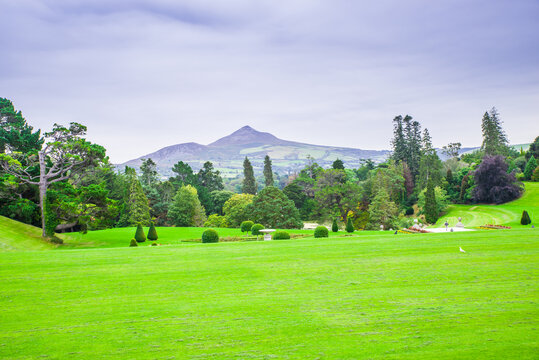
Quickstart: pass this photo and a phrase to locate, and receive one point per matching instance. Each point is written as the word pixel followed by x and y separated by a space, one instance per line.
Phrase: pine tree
pixel 137 206
pixel 349 225
pixel 494 139
pixel 530 167
pixel 338 165
pixel 431 210
pixel 152 233
pixel 249 182
pixel 430 164
pixel 399 140
pixel 413 144
pixel 268 171
pixel 334 226
pixel 209 178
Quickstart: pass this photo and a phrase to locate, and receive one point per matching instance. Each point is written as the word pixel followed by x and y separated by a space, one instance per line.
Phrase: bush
pixel 281 235
pixel 210 236
pixel 154 244
pixel 215 220
pixel 255 229
pixel 56 240
pixel 525 219
pixel 152 233
pixel 334 226
pixel 139 234
pixel 349 225
pixel 321 231
pixel 133 243
pixel 246 226
pixel 409 211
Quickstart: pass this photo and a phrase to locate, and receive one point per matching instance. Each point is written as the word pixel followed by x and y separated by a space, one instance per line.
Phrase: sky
pixel 145 74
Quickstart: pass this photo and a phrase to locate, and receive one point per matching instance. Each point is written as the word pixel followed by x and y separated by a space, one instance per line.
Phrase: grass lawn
pixel 372 296
pixel 15 236
pixel 505 214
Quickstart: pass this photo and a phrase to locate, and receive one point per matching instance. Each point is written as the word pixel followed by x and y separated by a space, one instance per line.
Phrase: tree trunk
pixel 42 191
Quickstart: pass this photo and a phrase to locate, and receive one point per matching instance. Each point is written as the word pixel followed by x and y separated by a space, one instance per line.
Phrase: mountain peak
pixel 246 135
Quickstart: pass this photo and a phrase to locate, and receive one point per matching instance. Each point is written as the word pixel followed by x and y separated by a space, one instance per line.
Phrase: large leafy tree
pixel 533 150
pixel 236 209
pixel 249 181
pixel 335 195
pixel 493 183
pixel 494 139
pixel 273 209
pixel 64 154
pixel 15 134
pixel 210 178
pixel 383 211
pixel 186 209
pixel 183 175
pixel 268 171
pixel 219 198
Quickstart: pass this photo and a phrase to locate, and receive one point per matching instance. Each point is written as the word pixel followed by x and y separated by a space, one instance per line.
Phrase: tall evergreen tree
pixel 249 182
pixel 494 139
pixel 209 178
pixel 137 207
pixel 431 209
pixel 149 172
pixel 530 167
pixel 430 164
pixel 268 171
pixel 399 140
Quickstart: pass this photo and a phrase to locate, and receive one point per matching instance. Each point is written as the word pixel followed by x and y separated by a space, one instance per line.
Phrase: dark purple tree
pixel 493 183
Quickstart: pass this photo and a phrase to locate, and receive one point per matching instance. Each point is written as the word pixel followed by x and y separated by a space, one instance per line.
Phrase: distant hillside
pixel 227 154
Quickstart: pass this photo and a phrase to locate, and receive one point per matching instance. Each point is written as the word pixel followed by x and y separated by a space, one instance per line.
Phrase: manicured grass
pixel 372 296
pixel 15 235
pixel 167 235
pixel 506 214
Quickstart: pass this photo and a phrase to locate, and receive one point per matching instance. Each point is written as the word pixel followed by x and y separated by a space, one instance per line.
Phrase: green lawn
pixel 372 296
pixel 505 214
pixel 15 235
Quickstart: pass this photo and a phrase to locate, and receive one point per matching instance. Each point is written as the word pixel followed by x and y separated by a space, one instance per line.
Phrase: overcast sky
pixel 144 74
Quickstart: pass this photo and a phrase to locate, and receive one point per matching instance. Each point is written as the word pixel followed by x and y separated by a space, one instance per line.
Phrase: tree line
pixel 60 181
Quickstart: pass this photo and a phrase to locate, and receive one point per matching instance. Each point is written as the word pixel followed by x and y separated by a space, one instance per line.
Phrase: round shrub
pixel 281 235
pixel 255 229
pixel 152 233
pixel 154 244
pixel 321 231
pixel 246 226
pixel 335 226
pixel 210 236
pixel 133 243
pixel 139 234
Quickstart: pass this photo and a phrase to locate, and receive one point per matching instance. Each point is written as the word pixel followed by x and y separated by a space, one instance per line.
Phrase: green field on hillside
pixel 505 214
pixel 15 235
pixel 377 296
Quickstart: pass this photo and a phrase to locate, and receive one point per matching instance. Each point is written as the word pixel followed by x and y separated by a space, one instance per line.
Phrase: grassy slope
pixel 377 296
pixel 15 235
pixel 505 214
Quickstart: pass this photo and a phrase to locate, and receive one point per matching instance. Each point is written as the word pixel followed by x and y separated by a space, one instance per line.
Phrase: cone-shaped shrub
pixel 525 219
pixel 139 234
pixel 210 236
pixel 321 231
pixel 334 226
pixel 246 226
pixel 152 233
pixel 255 229
pixel 349 225
pixel 281 235
pixel 133 243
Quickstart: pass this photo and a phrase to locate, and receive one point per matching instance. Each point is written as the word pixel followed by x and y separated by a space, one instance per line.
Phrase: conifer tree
pixel 137 207
pixel 530 167
pixel 152 233
pixel 494 139
pixel 399 140
pixel 268 171
pixel 249 182
pixel 349 225
pixel 334 226
pixel 430 164
pixel 139 234
pixel 431 210
pixel 525 219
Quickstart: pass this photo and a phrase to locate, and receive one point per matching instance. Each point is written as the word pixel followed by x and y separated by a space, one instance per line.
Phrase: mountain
pixel 227 154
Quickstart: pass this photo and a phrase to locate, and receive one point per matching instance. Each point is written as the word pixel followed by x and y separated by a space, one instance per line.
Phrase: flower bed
pixel 491 226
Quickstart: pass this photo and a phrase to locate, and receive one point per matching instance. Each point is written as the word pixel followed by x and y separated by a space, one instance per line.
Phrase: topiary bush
pixel 350 226
pixel 246 226
pixel 334 226
pixel 210 236
pixel 133 243
pixel 281 235
pixel 152 233
pixel 321 231
pixel 525 219
pixel 139 234
pixel 255 229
